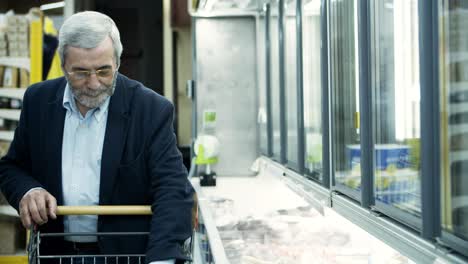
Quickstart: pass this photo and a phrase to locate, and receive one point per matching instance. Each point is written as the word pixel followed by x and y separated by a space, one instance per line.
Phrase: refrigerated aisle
pixel 261 220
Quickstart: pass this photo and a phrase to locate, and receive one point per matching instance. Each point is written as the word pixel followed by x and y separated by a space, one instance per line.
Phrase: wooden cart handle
pixel 105 210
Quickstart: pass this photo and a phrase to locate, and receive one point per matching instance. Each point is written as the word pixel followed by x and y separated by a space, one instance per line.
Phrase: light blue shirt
pixel 83 138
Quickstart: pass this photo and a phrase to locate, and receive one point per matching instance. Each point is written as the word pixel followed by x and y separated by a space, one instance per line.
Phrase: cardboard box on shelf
pixel 12 45
pixel 12 30
pixel 22 37
pixel 24 78
pixel 22 46
pixel 11 20
pixel 17 21
pixel 23 53
pixel 22 28
pixel 12 233
pixel 2 69
pixel 10 77
pixel 388 156
pixel 18 46
pixel 14 53
pixel 4 146
pixel 12 37
pixel 17 37
pixel 22 20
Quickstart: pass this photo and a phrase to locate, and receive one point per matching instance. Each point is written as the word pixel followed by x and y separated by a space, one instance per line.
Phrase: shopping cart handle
pixel 105 210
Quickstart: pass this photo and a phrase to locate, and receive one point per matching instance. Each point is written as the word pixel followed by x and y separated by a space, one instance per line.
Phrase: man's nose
pixel 93 81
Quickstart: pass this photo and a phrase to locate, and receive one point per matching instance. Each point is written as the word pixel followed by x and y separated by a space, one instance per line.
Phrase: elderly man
pixel 96 137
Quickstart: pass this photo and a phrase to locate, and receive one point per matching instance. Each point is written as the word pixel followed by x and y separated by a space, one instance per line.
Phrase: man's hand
pixel 36 207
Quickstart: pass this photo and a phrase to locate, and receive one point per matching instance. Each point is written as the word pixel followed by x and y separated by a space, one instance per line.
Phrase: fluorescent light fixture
pixel 52 6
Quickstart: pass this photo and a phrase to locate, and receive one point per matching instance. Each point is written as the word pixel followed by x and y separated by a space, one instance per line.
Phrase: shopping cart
pixel 35 236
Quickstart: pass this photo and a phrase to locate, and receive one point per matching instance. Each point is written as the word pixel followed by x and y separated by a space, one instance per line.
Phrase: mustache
pixel 94 92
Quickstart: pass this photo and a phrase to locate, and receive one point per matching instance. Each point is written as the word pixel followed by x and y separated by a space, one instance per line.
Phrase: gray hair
pixel 87 30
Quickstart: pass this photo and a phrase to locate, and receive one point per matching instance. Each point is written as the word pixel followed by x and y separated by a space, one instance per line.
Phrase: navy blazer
pixel 140 165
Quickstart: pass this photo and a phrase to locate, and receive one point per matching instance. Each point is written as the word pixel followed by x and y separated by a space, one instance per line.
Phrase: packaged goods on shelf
pixel 24 78
pixel 10 77
pixel 401 187
pixel 4 103
pixel 2 70
pixel 3 43
pixel 17 30
pixel 388 156
pixel 4 146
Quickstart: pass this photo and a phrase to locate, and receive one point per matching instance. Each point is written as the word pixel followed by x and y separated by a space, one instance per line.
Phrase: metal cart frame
pixel 35 257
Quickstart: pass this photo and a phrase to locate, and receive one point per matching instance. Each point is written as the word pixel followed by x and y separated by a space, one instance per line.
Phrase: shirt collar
pixel 70 104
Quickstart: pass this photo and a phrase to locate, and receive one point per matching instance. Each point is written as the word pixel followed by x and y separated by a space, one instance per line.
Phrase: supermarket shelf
pixel 456 108
pixel 457 57
pixel 8 211
pixel 10 114
pixel 14 93
pixel 20 62
pixel 460 201
pixel 458 87
pixel 458 156
pixel 18 259
pixel 458 129
pixel 7 135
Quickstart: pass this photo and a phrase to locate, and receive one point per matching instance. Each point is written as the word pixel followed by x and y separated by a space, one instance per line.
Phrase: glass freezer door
pixel 312 81
pixel 396 109
pixel 345 96
pixel 454 121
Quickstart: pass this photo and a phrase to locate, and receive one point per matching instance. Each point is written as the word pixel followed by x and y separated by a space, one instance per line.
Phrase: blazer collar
pixel 55 118
pixel 114 139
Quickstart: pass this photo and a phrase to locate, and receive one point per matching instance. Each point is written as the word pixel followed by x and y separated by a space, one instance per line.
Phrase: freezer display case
pixel 226 81
pixel 263 61
pixel 261 220
pixel 312 82
pixel 396 109
pixel 290 81
pixel 454 129
pixel 275 77
pixel 344 94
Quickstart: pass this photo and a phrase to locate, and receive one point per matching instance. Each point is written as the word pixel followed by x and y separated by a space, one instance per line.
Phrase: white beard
pixel 93 98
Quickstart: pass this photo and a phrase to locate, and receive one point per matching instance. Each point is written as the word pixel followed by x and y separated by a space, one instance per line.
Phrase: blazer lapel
pixel 55 118
pixel 114 140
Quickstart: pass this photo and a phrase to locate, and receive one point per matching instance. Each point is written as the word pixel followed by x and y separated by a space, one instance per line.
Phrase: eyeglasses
pixel 84 74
